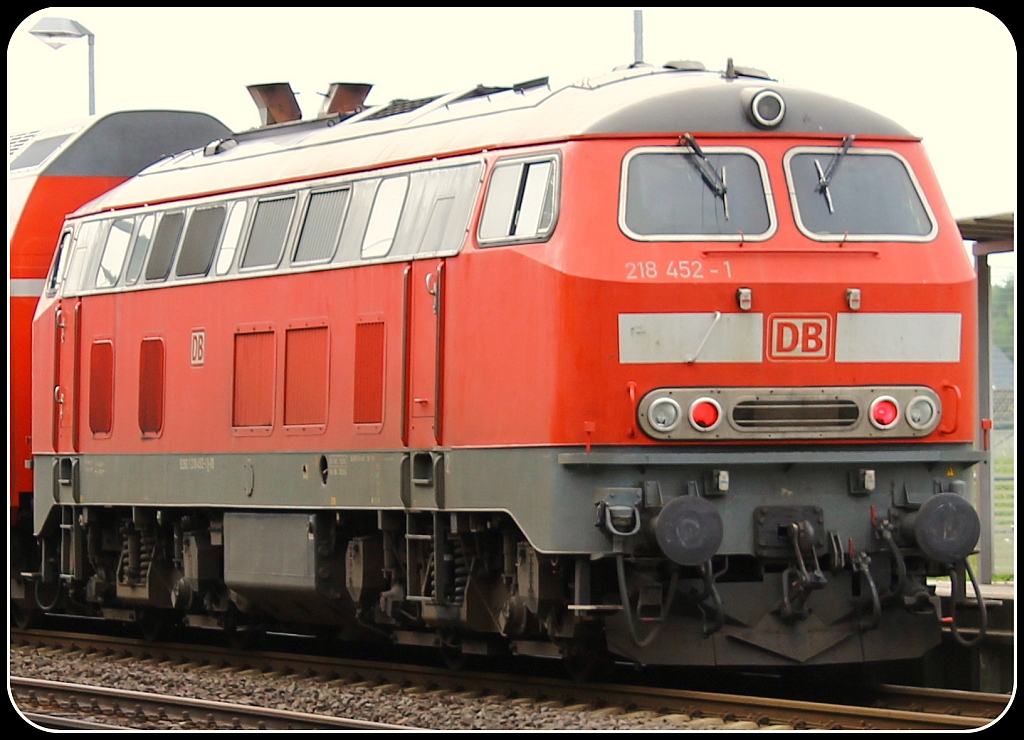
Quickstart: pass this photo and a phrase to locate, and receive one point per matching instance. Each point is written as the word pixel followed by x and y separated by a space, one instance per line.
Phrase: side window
pixel 387 209
pixel 437 223
pixel 521 203
pixel 437 210
pixel 118 238
pixel 200 240
pixel 232 234
pixel 321 227
pixel 143 237
pixel 269 231
pixel 85 240
pixel 60 261
pixel 165 244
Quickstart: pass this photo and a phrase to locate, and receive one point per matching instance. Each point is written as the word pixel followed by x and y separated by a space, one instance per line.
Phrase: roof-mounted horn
pixel 276 103
pixel 344 99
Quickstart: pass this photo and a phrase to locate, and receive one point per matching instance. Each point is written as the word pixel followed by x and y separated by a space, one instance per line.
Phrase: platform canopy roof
pixel 993 233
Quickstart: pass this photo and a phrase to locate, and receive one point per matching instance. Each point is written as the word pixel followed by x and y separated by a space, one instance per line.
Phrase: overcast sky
pixel 948 75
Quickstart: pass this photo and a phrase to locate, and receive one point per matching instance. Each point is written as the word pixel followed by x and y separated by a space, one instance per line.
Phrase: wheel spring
pixel 461 563
pixel 136 556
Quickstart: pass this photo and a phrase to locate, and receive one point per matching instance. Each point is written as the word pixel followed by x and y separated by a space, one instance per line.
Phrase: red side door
pixel 425 368
pixel 67 372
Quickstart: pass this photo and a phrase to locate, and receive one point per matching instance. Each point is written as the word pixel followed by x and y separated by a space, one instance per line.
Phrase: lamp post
pixel 56 32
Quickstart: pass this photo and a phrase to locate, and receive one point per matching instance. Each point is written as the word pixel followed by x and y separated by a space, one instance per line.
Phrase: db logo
pixel 798 337
pixel 198 347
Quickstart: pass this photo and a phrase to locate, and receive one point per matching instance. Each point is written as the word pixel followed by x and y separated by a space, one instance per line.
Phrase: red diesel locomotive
pixel 670 364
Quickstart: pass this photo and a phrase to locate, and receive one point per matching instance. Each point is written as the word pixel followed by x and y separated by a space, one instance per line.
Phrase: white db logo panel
pixel 797 337
pixel 198 347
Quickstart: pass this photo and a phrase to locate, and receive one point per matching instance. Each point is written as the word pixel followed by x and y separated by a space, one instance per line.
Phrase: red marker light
pixel 884 413
pixel 704 414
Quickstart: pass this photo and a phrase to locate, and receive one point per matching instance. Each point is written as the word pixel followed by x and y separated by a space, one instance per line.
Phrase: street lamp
pixel 56 32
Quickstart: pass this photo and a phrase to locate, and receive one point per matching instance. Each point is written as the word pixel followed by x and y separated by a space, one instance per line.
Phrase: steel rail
pixel 892 707
pixel 146 707
pixel 942 701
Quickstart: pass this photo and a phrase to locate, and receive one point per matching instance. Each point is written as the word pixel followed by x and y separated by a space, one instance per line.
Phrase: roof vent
pixel 686 66
pixel 530 84
pixel 401 105
pixel 344 99
pixel 276 103
pixel 480 91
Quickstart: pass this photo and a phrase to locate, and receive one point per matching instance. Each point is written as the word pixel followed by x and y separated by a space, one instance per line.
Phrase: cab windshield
pixel 865 194
pixel 681 193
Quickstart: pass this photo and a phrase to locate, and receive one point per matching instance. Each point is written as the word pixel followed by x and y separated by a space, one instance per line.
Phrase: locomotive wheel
pixel 48 595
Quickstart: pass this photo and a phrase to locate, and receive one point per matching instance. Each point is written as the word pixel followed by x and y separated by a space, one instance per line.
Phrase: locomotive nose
pixel 689 530
pixel 946 528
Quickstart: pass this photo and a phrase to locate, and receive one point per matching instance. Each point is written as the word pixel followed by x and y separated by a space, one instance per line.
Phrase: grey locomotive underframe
pixel 529 546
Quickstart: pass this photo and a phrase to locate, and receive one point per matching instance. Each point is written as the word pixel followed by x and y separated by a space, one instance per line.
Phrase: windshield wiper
pixel 707 172
pixel 825 177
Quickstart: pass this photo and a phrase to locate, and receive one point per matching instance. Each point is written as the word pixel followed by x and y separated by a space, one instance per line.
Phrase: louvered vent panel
pixel 101 387
pixel 306 372
pixel 254 380
pixel 151 386
pixel 368 407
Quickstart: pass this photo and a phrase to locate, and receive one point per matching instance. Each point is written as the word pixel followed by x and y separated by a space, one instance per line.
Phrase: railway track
pixel 885 707
pixel 71 705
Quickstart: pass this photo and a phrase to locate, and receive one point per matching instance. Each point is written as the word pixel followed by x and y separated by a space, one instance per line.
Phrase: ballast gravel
pixel 434 710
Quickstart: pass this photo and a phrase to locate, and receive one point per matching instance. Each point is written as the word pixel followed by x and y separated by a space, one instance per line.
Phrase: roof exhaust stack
pixel 276 103
pixel 344 99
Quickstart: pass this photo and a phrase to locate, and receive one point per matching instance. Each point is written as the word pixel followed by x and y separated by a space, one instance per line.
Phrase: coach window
pixel 842 193
pixel 232 233
pixel 678 194
pixel 387 209
pixel 200 240
pixel 269 231
pixel 139 249
pixel 165 244
pixel 321 226
pixel 118 238
pixel 521 203
pixel 38 151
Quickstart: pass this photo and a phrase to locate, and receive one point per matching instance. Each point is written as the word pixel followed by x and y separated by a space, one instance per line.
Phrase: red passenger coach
pixel 51 172
pixel 670 364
